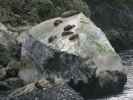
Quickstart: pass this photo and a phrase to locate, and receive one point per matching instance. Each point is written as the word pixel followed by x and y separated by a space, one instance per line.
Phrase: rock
pixel 14 83
pixel 82 57
pixel 2 73
pixel 27 71
pixel 9 47
pixel 12 68
pixel 45 9
pixel 4 86
pixel 1 66
pixel 9 85
pixel 2 27
pixel 31 87
pixel 50 91
pixel 4 55
pixel 56 63
pixel 111 78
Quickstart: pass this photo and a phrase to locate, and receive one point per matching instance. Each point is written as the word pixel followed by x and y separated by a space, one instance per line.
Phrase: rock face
pixel 9 47
pixel 5 42
pixel 44 90
pixel 9 79
pixel 74 50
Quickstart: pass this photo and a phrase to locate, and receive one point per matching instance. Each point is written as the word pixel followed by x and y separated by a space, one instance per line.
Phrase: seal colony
pixel 73 49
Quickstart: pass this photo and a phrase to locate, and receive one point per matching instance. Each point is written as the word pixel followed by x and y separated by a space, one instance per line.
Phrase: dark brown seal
pixel 69 27
pixel 51 39
pixel 74 37
pixel 65 33
pixel 57 22
pixel 38 85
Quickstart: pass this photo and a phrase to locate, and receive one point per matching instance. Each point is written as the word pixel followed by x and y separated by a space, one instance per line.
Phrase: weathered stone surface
pixel 14 83
pixel 58 64
pixel 2 73
pixel 9 47
pixel 48 91
pixel 2 27
pixel 12 68
pixel 27 71
pixel 85 56
pixel 4 86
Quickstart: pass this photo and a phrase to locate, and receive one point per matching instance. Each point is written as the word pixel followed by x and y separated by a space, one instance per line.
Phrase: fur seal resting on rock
pixel 89 59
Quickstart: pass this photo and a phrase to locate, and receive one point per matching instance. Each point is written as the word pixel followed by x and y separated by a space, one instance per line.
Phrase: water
pixel 127 94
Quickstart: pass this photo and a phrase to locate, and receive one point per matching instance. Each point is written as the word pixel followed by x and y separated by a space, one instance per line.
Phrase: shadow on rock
pixel 100 88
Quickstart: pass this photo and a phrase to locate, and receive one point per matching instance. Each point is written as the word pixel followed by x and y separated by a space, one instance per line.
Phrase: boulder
pixel 74 50
pixel 27 71
pixel 2 27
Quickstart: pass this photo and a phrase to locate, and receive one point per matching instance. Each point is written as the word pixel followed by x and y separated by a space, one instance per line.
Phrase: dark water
pixel 127 94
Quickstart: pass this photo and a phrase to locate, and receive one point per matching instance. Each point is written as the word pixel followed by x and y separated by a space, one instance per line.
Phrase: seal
pixel 57 22
pixel 51 39
pixel 38 85
pixel 69 27
pixel 65 33
pixel 74 37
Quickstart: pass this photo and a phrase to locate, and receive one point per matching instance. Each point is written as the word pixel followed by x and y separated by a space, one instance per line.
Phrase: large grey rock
pixel 75 49
pixel 55 64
